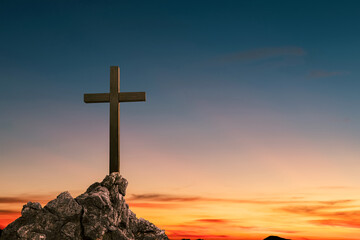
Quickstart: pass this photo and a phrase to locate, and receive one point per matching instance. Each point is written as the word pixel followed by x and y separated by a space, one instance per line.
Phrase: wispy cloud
pixel 178 198
pixel 182 198
pixel 283 231
pixel 306 210
pixel 154 205
pixel 192 234
pixel 233 223
pixel 213 220
pixel 164 197
pixel 337 202
pixel 324 74
pixel 8 211
pixel 331 214
pixel 25 199
pixel 12 200
pixel 318 210
pixel 350 223
pixel 335 187
pixel 263 53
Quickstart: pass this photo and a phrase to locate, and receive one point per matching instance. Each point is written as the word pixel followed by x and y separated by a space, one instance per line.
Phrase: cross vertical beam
pixel 114 140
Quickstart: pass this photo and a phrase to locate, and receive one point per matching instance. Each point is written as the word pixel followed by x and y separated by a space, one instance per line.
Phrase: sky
pixel 250 127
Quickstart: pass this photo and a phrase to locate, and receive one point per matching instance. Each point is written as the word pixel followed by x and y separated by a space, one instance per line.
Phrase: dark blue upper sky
pixel 52 48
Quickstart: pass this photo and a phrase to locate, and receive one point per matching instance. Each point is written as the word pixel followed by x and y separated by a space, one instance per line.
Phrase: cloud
pixel 305 210
pixel 263 53
pixel 336 202
pixel 324 74
pixel 317 210
pixel 212 220
pixel 284 231
pixel 12 200
pixel 25 199
pixel 164 198
pixel 330 214
pixel 179 198
pixel 154 205
pixel 192 234
pixel 350 223
pixel 190 225
pixel 335 187
pixel 8 211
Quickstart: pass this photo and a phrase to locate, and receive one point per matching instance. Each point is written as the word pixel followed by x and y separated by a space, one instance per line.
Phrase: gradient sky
pixel 251 126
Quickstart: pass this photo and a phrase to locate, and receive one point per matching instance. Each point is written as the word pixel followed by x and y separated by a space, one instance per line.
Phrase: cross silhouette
pixel 114 97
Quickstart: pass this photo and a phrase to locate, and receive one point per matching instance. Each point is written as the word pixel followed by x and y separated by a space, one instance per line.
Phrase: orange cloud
pixel 350 223
pixel 212 220
pixel 12 200
pixel 334 187
pixel 163 197
pixel 177 198
pixel 192 234
pixel 154 205
pixel 25 199
pixel 8 211
pixel 330 214
pixel 308 210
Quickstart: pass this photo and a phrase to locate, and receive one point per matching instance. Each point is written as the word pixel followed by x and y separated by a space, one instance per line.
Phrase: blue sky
pixel 296 59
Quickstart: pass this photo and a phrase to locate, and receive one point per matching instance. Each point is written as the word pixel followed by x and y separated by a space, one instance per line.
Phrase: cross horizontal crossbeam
pixel 122 97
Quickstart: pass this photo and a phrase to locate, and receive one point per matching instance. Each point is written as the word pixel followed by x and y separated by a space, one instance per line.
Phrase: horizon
pixel 251 125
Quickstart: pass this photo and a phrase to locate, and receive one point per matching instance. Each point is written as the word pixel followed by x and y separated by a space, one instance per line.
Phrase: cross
pixel 114 97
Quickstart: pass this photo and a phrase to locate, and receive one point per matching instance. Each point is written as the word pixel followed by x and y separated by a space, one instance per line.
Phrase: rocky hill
pixel 99 213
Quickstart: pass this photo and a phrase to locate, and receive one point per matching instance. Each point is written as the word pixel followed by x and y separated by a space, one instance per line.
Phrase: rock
pixel 64 206
pixel 30 209
pixel 275 238
pixel 99 213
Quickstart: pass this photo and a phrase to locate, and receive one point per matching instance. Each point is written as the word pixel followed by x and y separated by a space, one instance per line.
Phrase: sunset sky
pixel 251 126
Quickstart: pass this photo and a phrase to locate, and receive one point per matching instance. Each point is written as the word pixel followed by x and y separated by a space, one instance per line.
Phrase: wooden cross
pixel 114 97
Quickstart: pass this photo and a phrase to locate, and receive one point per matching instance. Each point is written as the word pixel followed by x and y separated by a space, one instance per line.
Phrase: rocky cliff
pixel 99 213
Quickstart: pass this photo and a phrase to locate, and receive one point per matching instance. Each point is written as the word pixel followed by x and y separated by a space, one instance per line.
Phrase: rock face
pixel 99 213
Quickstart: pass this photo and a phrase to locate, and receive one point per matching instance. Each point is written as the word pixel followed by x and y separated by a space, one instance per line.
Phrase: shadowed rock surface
pixel 275 238
pixel 99 213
